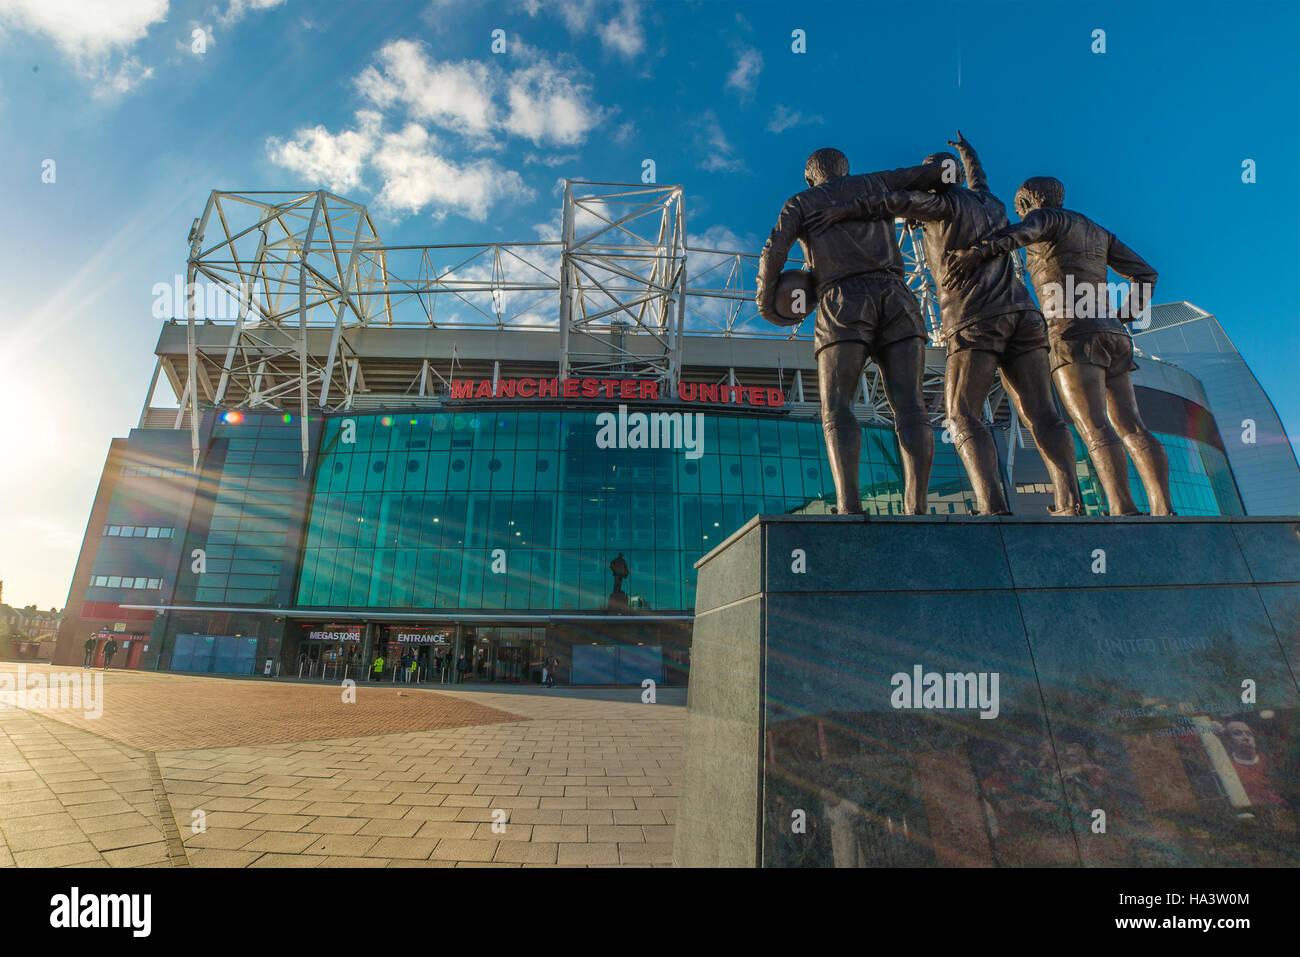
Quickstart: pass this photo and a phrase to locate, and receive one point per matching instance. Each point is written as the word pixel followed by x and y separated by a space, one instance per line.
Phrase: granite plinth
pixel 1096 692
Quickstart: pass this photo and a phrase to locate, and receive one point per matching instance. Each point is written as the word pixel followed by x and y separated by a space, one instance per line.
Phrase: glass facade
pixel 254 506
pixel 1200 482
pixel 516 510
pixel 523 510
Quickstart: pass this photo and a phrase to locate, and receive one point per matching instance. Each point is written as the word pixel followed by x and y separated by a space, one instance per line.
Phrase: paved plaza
pixel 189 771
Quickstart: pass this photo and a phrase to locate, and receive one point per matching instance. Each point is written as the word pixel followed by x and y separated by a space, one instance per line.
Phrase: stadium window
pixel 114 581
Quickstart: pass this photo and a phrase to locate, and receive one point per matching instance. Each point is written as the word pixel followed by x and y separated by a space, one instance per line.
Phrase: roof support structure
pixel 613 284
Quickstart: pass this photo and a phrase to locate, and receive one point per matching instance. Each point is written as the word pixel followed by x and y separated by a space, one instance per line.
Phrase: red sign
pixel 621 389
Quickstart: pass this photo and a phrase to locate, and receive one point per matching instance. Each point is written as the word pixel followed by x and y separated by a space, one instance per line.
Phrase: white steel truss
pixel 620 284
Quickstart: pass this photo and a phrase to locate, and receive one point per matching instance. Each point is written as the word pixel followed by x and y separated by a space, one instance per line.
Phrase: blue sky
pixel 404 106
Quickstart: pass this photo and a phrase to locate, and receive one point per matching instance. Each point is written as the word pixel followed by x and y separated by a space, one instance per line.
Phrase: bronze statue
pixel 864 309
pixel 619 567
pixel 989 323
pixel 1092 353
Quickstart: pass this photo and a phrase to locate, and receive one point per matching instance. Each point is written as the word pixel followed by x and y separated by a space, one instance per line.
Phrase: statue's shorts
pixel 1113 351
pixel 876 309
pixel 1009 335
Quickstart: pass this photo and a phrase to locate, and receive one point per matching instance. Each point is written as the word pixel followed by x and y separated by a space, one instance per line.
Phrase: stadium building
pixel 418 451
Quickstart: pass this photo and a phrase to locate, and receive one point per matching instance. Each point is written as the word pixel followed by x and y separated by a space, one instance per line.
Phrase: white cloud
pixel 624 133
pixel 534 159
pixel 721 237
pixel 783 119
pixel 416 176
pixel 455 96
pixel 83 30
pixel 128 74
pixel 748 64
pixel 623 33
pixel 96 37
pixel 547 106
pixel 542 102
pixel 480 102
pixel 324 157
pixel 576 14
pixel 717 148
pixel 238 8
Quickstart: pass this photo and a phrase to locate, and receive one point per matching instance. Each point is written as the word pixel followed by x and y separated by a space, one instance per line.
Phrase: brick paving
pixel 258 774
pixel 158 712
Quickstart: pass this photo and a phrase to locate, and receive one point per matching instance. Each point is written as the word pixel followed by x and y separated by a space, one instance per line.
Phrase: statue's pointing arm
pixel 772 259
pixel 975 178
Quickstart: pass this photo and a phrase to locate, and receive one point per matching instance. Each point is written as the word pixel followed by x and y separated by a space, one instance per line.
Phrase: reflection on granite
pixel 1147 720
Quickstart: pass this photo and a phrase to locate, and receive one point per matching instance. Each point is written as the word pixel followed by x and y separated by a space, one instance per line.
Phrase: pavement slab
pixel 183 770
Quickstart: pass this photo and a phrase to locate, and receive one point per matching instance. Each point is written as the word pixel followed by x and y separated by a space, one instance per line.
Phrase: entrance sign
pixel 416 636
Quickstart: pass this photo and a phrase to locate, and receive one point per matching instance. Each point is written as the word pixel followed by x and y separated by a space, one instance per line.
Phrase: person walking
pixel 377 669
pixel 110 650
pixel 462 666
pixel 550 673
pixel 90 651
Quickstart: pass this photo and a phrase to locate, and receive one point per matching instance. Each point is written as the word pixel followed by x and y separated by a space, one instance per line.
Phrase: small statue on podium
pixel 617 597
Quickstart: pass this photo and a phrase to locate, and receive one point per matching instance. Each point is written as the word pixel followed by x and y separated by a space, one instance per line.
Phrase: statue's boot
pixel 979 456
pixel 1152 466
pixel 1111 464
